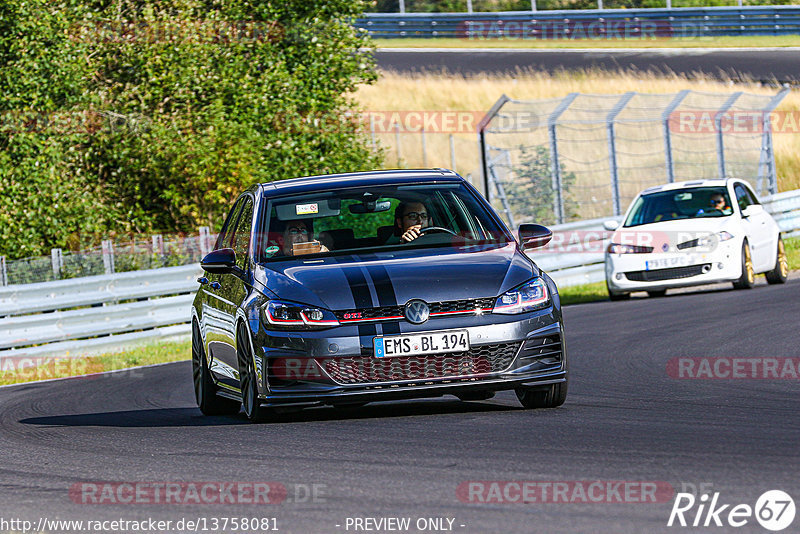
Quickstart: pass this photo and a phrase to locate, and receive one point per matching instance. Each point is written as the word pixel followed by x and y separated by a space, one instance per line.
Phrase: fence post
pixel 57 260
pixel 205 246
pixel 555 165
pixel 665 118
pixel 3 271
pixel 108 256
pixel 397 143
pixel 469 6
pixel 767 158
pixel 158 244
pixel 372 132
pixel 452 153
pixel 612 149
pixel 424 149
pixel 720 137
pixel 402 6
pixel 533 5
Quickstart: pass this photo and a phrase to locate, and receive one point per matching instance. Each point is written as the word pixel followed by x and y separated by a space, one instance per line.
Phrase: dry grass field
pixel 440 92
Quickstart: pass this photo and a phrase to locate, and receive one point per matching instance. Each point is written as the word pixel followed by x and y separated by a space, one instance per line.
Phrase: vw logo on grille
pixel 417 311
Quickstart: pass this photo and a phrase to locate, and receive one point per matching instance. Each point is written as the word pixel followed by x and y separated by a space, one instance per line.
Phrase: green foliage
pixel 530 194
pixel 151 115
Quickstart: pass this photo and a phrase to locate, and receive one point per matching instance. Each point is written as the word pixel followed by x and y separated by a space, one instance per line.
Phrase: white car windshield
pixel 687 203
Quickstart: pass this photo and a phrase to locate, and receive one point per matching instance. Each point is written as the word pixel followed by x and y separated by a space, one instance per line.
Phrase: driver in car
pixel 409 219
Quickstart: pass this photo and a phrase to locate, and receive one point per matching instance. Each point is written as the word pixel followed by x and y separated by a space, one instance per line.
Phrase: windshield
pixel 358 220
pixel 680 204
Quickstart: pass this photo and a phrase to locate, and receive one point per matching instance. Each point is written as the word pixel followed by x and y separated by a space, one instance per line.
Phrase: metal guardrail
pixel 95 313
pixel 688 22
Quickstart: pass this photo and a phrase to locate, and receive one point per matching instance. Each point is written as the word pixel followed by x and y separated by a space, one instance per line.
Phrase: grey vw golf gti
pixel 352 288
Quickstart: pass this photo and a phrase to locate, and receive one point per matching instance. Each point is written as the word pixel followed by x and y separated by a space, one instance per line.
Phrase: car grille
pixel 480 360
pixel 667 274
pixel 384 313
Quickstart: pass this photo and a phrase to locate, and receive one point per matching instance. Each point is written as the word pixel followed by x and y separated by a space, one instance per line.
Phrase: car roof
pixel 358 179
pixel 719 182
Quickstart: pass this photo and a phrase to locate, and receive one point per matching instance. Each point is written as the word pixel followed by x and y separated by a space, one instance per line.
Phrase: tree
pixel 530 193
pixel 174 107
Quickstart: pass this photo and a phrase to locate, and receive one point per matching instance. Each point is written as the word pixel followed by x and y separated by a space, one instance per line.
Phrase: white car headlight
pixel 531 295
pixel 284 315
pixel 616 248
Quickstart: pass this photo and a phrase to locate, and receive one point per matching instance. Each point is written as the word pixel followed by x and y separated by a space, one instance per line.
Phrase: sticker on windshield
pixel 307 209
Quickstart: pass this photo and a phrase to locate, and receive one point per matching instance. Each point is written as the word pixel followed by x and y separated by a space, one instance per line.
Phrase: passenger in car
pixel 409 219
pixel 298 232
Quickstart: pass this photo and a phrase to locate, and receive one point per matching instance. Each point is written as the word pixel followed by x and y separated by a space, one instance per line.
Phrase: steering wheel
pixel 422 231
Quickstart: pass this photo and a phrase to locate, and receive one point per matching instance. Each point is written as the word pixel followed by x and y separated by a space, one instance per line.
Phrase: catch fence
pixel 587 156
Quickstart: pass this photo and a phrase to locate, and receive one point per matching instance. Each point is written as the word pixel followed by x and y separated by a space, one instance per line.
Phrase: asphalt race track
pixel 625 420
pixel 767 65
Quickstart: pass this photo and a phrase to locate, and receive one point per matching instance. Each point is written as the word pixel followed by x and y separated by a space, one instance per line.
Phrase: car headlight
pixel 616 248
pixel 724 236
pixel 706 241
pixel 531 295
pixel 285 315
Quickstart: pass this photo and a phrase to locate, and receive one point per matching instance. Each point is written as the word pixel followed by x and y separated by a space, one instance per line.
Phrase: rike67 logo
pixel 774 510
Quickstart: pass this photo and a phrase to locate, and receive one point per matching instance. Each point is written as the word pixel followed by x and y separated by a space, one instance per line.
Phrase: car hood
pixel 673 232
pixel 393 278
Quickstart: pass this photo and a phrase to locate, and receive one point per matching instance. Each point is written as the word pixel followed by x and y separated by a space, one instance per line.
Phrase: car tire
pixel 657 294
pixel 780 272
pixel 616 296
pixel 748 277
pixel 205 390
pixel 248 385
pixel 469 396
pixel 550 397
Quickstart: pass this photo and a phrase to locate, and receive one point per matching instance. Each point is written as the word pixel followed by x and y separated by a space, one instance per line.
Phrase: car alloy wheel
pixel 748 277
pixel 780 272
pixel 248 378
pixel 205 390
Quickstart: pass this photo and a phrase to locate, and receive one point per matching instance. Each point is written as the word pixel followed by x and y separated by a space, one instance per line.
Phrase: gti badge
pixel 417 311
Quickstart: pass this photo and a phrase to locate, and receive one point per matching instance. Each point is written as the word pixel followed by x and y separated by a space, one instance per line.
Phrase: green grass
pixel 792 245
pixel 695 42
pixel 66 366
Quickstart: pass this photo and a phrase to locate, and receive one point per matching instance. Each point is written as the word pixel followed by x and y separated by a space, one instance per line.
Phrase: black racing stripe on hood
pixel 362 299
pixel 386 295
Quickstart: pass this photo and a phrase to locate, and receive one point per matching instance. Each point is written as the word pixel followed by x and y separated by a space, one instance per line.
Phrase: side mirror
pixel 752 209
pixel 611 225
pixel 534 235
pixel 219 261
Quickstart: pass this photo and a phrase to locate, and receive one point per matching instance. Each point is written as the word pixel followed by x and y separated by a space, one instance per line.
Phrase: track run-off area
pixel 768 65
pixel 639 426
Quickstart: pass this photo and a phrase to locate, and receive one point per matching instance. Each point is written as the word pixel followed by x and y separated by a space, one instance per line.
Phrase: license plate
pixel 666 263
pixel 415 344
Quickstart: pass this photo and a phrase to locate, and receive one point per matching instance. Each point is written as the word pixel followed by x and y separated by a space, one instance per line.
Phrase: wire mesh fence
pixel 135 254
pixel 587 156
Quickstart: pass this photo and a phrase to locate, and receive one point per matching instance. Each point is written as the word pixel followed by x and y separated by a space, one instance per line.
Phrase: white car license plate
pixel 666 263
pixel 415 344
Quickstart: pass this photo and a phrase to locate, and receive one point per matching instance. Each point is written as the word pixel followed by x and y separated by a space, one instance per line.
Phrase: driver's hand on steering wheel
pixel 411 234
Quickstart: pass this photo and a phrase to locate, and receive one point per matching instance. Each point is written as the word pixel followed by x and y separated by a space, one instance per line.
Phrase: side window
pixel 752 196
pixel 241 238
pixel 224 237
pixel 742 198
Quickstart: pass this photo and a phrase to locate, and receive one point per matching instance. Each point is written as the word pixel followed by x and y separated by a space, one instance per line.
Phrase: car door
pixel 757 228
pixel 235 286
pixel 218 311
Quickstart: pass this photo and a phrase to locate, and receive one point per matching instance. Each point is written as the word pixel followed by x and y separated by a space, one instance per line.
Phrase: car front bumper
pixel 506 352
pixel 658 271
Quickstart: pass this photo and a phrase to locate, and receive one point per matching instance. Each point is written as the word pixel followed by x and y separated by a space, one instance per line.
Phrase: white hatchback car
pixel 693 233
